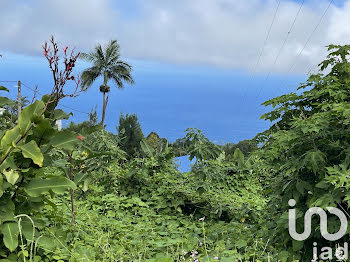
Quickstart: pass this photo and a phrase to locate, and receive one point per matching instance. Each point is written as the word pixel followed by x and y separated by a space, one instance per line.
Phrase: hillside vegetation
pixel 85 194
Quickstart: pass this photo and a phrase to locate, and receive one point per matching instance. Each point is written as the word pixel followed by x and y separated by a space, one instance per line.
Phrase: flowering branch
pixel 61 77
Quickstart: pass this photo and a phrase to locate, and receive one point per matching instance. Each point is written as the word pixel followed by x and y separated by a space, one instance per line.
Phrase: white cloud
pixel 26 25
pixel 224 33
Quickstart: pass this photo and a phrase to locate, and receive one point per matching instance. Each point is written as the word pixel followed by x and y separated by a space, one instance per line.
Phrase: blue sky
pixel 194 61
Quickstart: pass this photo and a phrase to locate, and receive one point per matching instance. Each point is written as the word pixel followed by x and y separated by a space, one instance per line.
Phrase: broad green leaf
pixel 1 183
pixel 86 184
pixel 48 243
pixel 8 163
pixel 283 256
pixel 297 245
pixel 2 88
pixel 11 176
pixel 27 229
pixel 10 258
pixel 59 185
pixel 6 204
pixel 10 232
pixel 65 140
pixel 4 101
pixel 146 148
pixel 78 178
pixel 60 114
pixel 11 137
pixel 7 209
pixel 42 132
pixel 239 157
pixel 29 114
pixel 314 160
pixel 241 243
pixel 32 151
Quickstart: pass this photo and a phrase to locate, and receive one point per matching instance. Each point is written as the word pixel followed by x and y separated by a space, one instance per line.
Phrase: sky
pixel 196 63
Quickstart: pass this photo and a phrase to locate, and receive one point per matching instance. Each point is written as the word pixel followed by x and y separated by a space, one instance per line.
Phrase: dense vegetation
pixel 85 194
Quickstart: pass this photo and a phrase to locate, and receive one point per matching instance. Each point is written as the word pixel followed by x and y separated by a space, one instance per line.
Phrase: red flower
pixel 80 137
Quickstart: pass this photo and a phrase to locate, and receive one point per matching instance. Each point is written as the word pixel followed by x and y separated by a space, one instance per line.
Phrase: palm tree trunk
pixel 103 110
pixel 104 105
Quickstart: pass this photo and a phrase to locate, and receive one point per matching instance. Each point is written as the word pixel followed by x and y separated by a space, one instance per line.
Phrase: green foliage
pixel 130 132
pixel 66 140
pixel 6 118
pixel 10 232
pixel 199 146
pixel 180 147
pixel 308 149
pixel 59 185
pixel 245 146
pixel 155 141
pixel 88 195
pixel 25 150
pixel 151 211
pixel 85 127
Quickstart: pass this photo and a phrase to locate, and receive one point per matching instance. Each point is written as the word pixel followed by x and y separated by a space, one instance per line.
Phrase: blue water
pixel 223 103
pixel 184 163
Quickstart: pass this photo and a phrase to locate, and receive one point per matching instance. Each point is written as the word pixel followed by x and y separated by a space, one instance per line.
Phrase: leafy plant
pixel 308 149
pixel 199 146
pixel 130 133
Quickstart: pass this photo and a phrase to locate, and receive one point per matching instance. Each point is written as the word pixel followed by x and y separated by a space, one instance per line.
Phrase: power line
pixel 264 44
pixel 288 33
pixel 76 110
pixel 34 90
pixel 308 40
pixel 31 88
pixel 283 44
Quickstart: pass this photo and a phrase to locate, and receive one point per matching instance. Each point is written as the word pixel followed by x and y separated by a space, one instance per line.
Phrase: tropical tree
pixel 106 63
pixel 130 132
pixel 308 151
pixel 199 146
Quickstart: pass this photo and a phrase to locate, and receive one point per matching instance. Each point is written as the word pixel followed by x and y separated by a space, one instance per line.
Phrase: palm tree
pixel 106 62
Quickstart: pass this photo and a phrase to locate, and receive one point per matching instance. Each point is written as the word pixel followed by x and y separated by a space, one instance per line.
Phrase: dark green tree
pixel 153 140
pixel 107 64
pixel 130 132
pixel 180 147
pixel 308 151
pixel 246 146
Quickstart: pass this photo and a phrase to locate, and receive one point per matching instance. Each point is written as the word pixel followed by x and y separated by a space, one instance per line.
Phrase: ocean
pixel 168 99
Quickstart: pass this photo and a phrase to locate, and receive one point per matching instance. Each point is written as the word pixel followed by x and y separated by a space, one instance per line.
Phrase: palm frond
pixel 99 54
pixel 118 81
pixel 87 57
pixel 89 76
pixel 107 60
pixel 112 52
pixel 120 74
